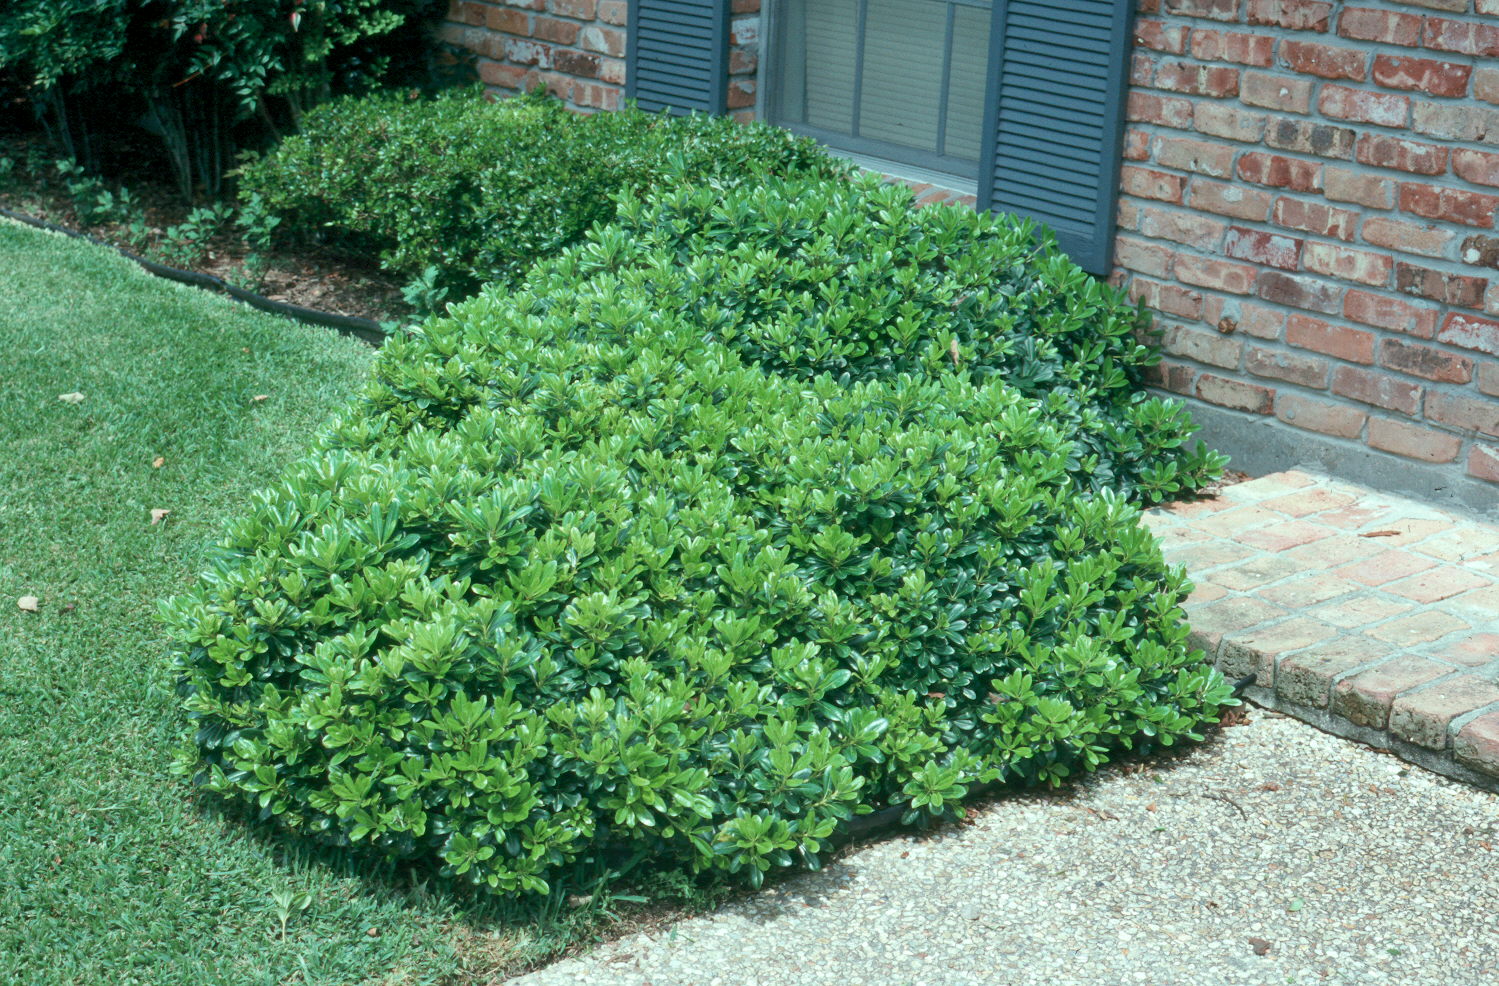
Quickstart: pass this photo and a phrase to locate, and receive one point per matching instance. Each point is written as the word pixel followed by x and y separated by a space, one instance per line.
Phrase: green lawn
pixel 111 871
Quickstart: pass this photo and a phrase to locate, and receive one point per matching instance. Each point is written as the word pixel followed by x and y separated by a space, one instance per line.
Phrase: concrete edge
pixel 1260 444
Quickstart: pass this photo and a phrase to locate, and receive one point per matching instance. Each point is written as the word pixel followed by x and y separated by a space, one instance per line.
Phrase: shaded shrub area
pixel 663 555
pixel 476 191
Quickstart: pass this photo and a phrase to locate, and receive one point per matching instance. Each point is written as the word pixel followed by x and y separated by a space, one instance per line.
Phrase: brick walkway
pixel 1367 615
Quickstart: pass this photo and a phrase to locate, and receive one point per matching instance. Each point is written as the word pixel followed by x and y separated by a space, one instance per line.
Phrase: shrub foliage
pixel 479 190
pixel 666 555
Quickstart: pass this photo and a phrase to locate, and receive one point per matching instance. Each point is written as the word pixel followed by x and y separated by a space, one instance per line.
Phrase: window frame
pixel 927 166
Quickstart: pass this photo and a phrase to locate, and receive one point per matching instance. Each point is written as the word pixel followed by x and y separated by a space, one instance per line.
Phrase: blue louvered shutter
pixel 1058 71
pixel 678 55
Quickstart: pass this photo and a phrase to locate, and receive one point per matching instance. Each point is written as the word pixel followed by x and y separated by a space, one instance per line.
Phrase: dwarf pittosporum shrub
pixel 480 189
pixel 594 574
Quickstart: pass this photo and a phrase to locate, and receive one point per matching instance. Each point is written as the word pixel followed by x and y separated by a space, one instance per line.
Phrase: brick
pixel 1229 200
pixel 1462 290
pixel 1486 84
pixel 1479 250
pixel 1483 463
pixel 1173 299
pixel 1465 413
pixel 1259 247
pixel 1384 151
pixel 1461 37
pixel 1422 716
pixel 1454 205
pixel 583 10
pixel 1479 167
pixel 1420 627
pixel 577 63
pixel 1387 27
pixel 1211 622
pixel 1407 237
pixel 1281 172
pixel 1425 362
pixel 1376 389
pixel 1323 60
pixel 1218 10
pixel 1412 441
pixel 1284 536
pixel 1142 255
pixel 1201 156
pixel 1437 584
pixel 1385 312
pixel 1299 292
pixel 1488 378
pixel 1319 416
pixel 1356 611
pixel 1477 744
pixel 616 12
pixel 1473 651
pixel 1255 651
pixel 1219 275
pixel 604 40
pixel 1197 80
pixel 507 20
pixel 1157 35
pixel 1354 345
pixel 1235 394
pixel 1314 217
pixel 1362 106
pixel 1347 185
pixel 1278 365
pixel 1180 226
pixel 1163 111
pixel 558 31
pixel 1435 78
pixel 1307 591
pixel 1259 321
pixel 1211 45
pixel 1228 121
pixel 1259 570
pixel 1276 92
pixel 1294 15
pixel 1306 678
pixel 1470 332
pixel 1465 121
pixel 1287 133
pixel 1203 347
pixel 1170 375
pixel 1150 184
pixel 1333 260
pixel 1365 698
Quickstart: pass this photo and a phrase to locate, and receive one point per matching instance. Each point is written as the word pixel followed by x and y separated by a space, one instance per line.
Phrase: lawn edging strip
pixel 362 328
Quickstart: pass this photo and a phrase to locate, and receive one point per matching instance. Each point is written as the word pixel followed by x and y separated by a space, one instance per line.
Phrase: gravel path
pixel 1341 865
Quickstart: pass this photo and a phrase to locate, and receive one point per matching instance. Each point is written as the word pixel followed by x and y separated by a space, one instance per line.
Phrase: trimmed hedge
pixel 478 190
pixel 595 574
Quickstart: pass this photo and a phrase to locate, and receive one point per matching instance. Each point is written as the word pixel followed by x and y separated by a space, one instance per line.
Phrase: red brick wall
pixel 576 48
pixel 1309 201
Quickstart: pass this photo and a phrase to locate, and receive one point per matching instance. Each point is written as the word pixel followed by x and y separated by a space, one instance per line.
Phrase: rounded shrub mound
pixel 478 190
pixel 586 579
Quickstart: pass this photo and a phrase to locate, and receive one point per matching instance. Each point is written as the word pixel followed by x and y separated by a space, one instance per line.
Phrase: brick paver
pixel 1363 613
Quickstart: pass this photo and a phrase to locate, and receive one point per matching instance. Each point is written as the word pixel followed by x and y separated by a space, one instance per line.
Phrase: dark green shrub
pixel 580 583
pixel 196 68
pixel 481 189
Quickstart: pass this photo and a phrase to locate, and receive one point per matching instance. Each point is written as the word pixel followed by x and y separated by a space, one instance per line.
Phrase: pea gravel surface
pixel 1273 853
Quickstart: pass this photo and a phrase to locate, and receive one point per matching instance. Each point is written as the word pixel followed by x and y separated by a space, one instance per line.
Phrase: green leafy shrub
pixel 480 189
pixel 196 68
pixel 594 574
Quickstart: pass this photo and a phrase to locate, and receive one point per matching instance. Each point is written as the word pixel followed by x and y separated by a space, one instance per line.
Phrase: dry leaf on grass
pixel 158 462
pixel 74 398
pixel 29 603
pixel 259 397
pixel 158 515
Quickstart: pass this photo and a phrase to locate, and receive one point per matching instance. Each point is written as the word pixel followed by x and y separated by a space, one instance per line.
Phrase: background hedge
pixel 465 190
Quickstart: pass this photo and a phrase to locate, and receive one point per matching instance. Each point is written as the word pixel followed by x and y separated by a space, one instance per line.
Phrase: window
pixel 902 80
